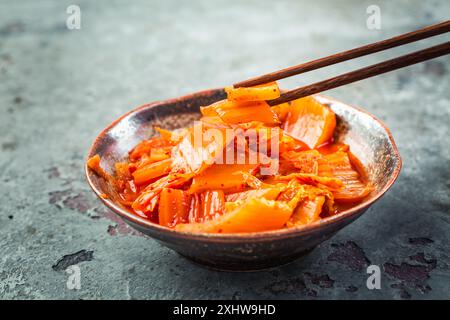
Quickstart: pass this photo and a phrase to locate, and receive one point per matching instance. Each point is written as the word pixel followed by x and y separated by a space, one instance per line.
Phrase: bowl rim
pixel 238 237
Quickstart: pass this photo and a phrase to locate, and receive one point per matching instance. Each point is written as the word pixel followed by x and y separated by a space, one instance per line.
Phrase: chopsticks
pixel 363 73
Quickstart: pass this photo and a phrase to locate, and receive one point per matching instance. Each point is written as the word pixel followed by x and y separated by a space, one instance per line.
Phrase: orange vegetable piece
pixel 196 151
pixel 154 155
pixel 268 193
pixel 195 209
pixel 122 171
pixel 307 212
pixel 152 171
pixel 226 177
pixel 212 120
pixel 206 206
pixel 303 161
pixel 282 110
pixel 128 192
pixel 149 197
pixel 310 121
pixel 253 215
pixel 94 164
pixel 144 147
pixel 332 183
pixel 165 134
pixel 338 165
pixel 333 147
pixel 210 111
pixel 213 204
pixel 173 207
pixel 159 154
pixel 232 112
pixel 262 92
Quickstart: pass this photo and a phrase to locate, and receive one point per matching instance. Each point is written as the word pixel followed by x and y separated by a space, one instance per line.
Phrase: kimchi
pixel 243 167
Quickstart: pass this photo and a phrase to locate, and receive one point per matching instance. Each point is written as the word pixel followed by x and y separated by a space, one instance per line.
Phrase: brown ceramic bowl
pixel 369 140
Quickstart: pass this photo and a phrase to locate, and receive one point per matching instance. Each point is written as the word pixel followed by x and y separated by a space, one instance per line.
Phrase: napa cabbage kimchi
pixel 243 167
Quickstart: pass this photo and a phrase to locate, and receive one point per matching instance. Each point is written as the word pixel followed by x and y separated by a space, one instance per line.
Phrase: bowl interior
pixel 370 141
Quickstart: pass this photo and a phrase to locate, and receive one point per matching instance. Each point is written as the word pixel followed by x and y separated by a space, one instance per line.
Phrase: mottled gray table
pixel 60 87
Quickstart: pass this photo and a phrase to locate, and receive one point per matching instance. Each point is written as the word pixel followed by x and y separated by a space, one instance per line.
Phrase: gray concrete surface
pixel 59 88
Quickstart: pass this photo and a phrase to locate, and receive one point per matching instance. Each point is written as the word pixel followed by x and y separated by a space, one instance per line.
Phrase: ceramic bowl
pixel 369 140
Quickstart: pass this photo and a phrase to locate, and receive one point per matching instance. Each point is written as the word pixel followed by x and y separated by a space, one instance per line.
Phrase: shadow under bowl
pixel 369 139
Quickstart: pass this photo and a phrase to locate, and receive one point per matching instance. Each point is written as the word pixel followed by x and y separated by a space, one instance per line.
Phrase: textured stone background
pixel 59 88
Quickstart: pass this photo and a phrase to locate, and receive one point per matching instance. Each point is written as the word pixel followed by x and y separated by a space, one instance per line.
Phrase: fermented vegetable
pixel 244 167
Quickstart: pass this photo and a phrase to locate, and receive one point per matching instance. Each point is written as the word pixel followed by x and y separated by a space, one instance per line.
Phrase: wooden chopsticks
pixel 363 73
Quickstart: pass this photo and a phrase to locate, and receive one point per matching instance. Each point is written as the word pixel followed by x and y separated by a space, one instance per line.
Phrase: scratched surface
pixel 59 88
